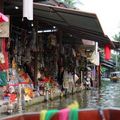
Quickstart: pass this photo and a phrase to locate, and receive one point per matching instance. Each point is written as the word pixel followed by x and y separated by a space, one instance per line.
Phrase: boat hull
pixel 114 79
pixel 108 114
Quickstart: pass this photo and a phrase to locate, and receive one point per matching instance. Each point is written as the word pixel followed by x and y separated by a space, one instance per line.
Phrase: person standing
pixel 60 77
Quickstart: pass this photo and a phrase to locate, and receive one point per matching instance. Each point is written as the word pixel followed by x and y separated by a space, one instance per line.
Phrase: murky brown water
pixel 107 96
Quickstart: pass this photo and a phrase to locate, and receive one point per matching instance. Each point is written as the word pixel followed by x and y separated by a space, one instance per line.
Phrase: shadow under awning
pixel 81 25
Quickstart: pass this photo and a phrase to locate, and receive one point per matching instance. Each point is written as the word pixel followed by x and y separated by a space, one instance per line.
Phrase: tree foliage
pixel 116 57
pixel 117 37
pixel 70 2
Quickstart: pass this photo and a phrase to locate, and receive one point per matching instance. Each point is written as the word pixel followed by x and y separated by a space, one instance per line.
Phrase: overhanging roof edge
pixel 76 12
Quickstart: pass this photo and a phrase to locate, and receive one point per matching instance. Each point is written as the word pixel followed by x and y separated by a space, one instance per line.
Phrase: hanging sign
pixel 28 9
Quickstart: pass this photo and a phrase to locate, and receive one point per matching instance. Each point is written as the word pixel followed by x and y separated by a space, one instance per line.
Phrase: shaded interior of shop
pixel 107 67
pixel 53 40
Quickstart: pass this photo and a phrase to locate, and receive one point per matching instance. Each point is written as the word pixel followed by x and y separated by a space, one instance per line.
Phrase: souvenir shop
pixel 46 54
pixel 43 64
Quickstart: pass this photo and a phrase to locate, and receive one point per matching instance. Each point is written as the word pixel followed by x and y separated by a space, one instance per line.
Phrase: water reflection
pixel 107 96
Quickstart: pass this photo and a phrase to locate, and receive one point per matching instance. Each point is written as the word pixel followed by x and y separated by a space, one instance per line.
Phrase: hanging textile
pixel 64 114
pixel 95 59
pixel 5 64
pixel 43 114
pixel 73 114
pixel 3 78
pixel 28 9
pixel 107 52
pixel 3 18
pixel 74 105
pixel 2 58
pixel 50 113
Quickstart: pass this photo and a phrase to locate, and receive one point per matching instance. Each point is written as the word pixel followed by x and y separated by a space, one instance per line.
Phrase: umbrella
pixel 3 18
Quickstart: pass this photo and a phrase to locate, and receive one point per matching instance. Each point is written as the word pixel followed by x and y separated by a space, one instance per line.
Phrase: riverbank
pixel 7 107
pixel 56 95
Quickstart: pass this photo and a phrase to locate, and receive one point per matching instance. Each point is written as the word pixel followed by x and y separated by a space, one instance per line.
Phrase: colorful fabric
pixel 74 105
pixel 2 59
pixel 69 113
pixel 3 18
pixel 43 114
pixel 64 114
pixel 73 114
pixel 95 58
pixel 4 66
pixel 50 113
pixel 3 78
pixel 12 97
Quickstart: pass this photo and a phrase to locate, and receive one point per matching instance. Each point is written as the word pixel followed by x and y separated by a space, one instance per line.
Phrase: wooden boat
pixel 115 76
pixel 106 114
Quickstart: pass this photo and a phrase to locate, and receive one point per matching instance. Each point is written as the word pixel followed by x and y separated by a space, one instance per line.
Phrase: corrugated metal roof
pixel 81 24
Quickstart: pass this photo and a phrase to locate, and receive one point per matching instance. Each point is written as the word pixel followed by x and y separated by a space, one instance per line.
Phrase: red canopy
pixel 3 18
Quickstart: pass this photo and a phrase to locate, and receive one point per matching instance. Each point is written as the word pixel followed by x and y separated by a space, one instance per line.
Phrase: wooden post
pixel 35 37
pixel 35 68
pixel 99 76
pixel 81 76
pixel 20 98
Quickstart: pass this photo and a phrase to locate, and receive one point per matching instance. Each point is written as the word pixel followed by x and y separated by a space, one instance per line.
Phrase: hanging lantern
pixel 107 52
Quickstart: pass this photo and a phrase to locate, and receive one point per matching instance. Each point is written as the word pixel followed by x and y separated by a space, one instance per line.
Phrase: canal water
pixel 106 97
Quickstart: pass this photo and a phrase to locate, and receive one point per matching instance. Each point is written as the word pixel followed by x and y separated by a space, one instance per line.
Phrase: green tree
pixel 116 57
pixel 117 37
pixel 70 2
